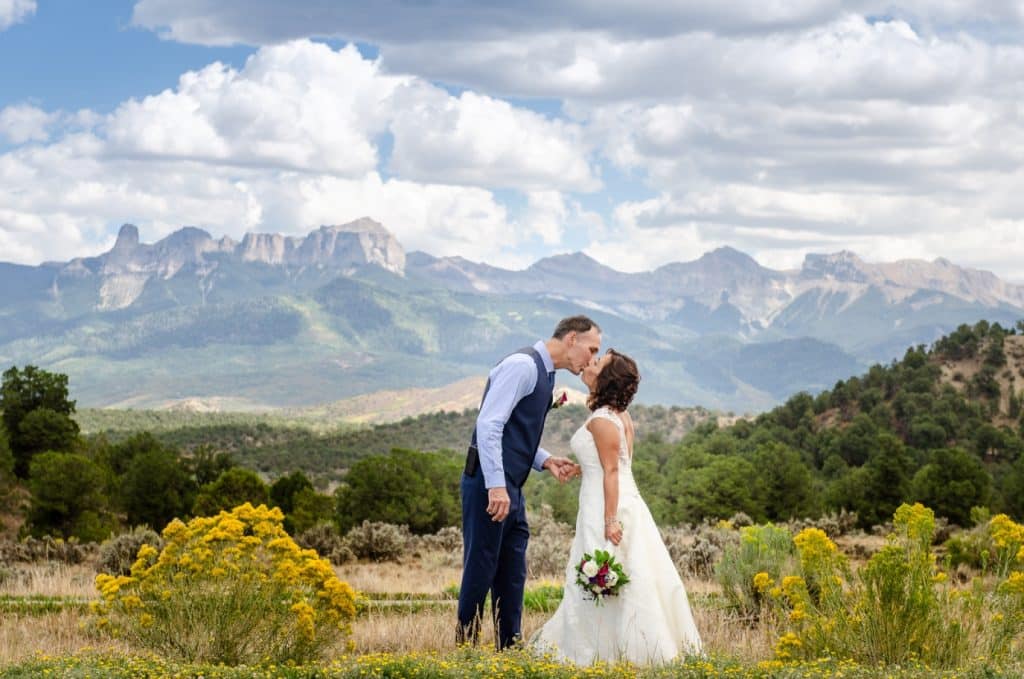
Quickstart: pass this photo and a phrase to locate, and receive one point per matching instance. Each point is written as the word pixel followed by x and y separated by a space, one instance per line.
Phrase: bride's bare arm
pixel 606 437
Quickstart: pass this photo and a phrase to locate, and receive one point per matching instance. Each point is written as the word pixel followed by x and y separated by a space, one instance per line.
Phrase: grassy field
pixel 43 611
pixel 465 663
pixel 53 597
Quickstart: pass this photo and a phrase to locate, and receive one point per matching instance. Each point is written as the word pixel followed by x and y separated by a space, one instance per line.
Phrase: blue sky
pixel 640 135
pixel 72 54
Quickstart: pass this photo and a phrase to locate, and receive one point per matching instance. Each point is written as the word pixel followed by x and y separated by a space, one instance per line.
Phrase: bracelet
pixel 610 520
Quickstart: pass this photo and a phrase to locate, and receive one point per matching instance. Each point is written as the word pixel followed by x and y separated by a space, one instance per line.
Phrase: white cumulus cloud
pixel 21 123
pixel 479 140
pixel 15 11
pixel 288 142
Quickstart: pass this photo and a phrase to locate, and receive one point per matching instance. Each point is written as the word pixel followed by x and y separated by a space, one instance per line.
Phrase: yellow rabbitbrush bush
pixel 898 608
pixel 232 588
pixel 1008 540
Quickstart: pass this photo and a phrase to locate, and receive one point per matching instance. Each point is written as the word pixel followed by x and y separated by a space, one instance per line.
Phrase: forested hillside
pixel 942 426
pixel 274 446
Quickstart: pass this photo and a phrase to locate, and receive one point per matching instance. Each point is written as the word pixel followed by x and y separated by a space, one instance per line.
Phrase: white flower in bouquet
pixel 611 579
pixel 590 569
pixel 595 588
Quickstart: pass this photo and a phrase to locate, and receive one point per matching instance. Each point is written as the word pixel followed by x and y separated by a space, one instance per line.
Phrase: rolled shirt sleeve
pixel 511 380
pixel 540 458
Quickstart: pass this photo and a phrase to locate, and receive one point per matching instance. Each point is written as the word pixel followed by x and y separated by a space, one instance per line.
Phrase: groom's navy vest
pixel 525 425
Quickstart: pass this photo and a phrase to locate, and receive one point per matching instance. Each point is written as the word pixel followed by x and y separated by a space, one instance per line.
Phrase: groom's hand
pixel 498 503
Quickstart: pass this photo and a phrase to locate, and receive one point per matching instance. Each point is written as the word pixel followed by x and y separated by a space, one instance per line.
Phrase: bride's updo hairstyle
pixel 616 383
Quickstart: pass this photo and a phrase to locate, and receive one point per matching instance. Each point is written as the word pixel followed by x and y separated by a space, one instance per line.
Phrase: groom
pixel 505 445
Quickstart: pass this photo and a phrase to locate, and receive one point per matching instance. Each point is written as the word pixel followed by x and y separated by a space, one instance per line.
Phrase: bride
pixel 650 620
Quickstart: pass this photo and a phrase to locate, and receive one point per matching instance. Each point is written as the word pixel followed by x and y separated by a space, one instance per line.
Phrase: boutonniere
pixel 560 400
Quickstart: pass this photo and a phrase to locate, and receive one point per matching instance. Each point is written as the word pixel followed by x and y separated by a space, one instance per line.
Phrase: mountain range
pixel 275 321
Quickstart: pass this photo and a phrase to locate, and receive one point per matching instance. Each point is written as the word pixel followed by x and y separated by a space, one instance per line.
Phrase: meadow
pixel 322 586
pixel 404 611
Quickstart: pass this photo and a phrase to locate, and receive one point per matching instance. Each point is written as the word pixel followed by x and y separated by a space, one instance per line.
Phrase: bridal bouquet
pixel 600 575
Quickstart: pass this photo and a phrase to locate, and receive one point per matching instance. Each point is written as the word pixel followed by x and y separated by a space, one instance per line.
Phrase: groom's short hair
pixel 574 324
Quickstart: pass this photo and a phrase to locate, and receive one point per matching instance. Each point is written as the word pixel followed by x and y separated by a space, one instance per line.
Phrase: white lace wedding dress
pixel 650 620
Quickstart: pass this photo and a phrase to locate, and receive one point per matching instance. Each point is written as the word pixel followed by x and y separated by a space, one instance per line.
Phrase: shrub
pixel 547 553
pixel 119 552
pixel 740 520
pixel 761 549
pixel 66 497
pixel 448 539
pixel 972 548
pixel 543 598
pixel 378 541
pixel 696 552
pixel 834 525
pixel 232 588
pixel 156 488
pixel 234 487
pixel 1007 541
pixel 309 508
pixel 325 541
pixel 47 548
pixel 404 487
pixel 899 608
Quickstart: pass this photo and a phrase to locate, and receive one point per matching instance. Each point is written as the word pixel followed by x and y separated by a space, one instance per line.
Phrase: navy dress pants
pixel 493 560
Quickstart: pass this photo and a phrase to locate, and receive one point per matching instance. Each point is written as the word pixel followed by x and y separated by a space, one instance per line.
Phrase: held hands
pixel 562 468
pixel 498 501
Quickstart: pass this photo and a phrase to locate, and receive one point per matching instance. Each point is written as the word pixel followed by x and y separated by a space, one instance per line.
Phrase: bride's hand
pixel 613 532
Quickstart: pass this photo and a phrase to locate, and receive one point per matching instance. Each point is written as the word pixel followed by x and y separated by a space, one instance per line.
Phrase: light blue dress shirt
pixel 511 380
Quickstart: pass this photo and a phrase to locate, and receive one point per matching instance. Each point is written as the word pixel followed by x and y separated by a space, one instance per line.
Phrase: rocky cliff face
pixel 125 270
pixel 899 280
pixel 347 246
pixel 724 291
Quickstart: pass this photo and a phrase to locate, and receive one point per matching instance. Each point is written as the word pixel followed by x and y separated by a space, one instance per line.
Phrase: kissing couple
pixel 650 620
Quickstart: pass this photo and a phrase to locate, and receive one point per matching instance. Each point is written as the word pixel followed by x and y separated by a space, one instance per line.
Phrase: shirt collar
pixel 545 355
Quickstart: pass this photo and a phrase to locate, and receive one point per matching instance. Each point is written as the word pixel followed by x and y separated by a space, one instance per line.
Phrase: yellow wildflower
pixel 1014 584
pixel 788 646
pixel 763 581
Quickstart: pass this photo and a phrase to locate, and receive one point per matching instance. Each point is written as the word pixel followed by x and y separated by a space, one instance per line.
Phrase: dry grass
pixel 24 636
pixel 62 633
pixel 48 579
pixel 429 575
pixel 420 576
pixel 723 634
pixel 434 630
pixel 423 631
